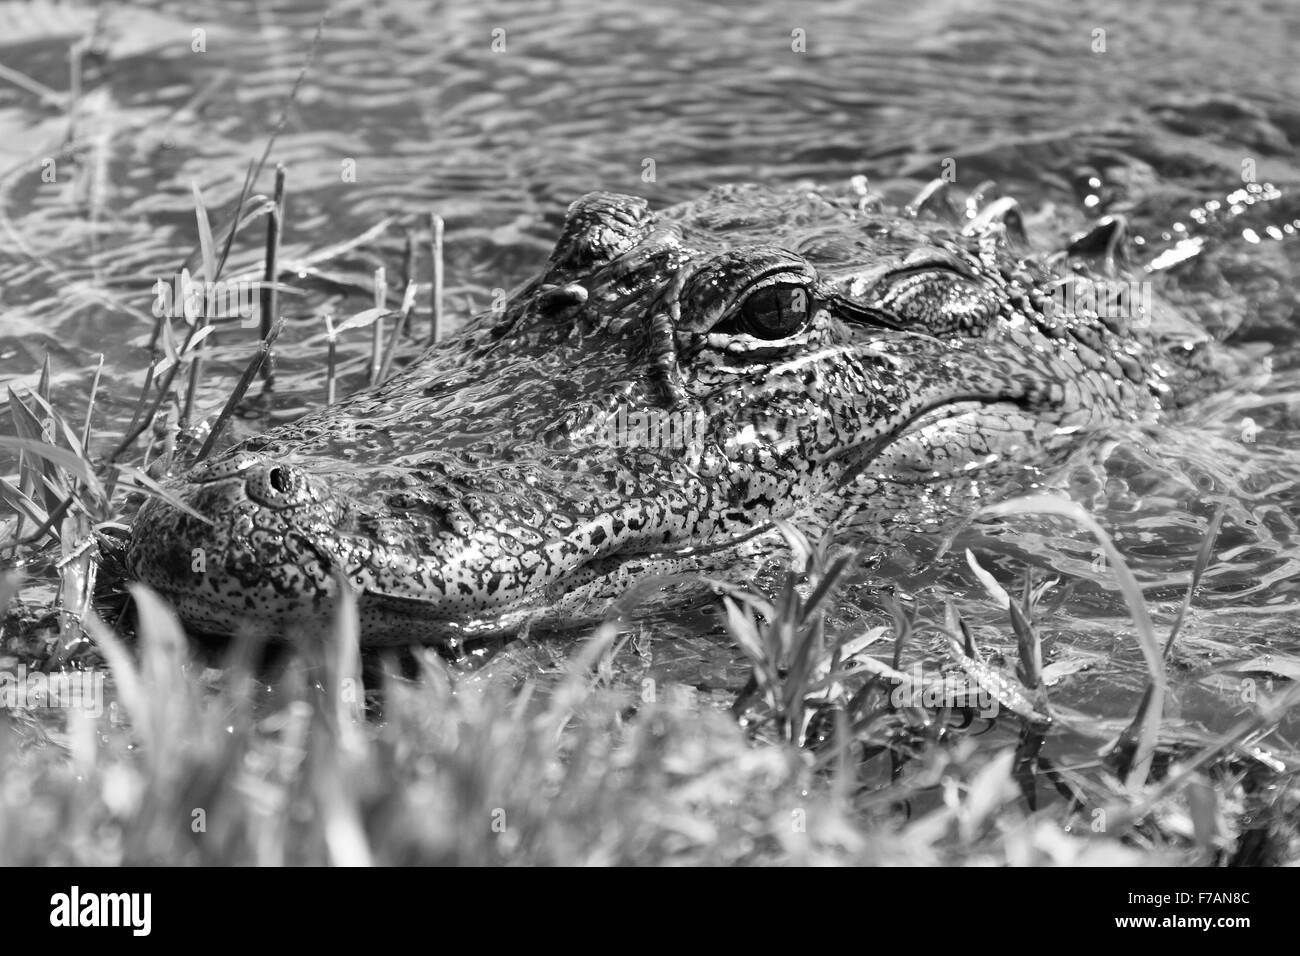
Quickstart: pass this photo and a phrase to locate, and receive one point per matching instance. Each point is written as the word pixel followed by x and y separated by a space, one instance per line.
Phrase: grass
pixel 822 758
pixel 203 768
pixel 832 753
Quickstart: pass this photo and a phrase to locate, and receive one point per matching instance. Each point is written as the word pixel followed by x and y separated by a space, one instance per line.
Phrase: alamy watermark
pixel 1106 298
pixel 936 691
pixel 655 428
pixel 690 430
pixel 133 911
pixel 186 298
pixel 68 690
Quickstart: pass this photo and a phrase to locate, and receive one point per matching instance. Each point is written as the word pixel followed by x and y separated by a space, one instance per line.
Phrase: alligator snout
pixel 666 389
pixel 431 558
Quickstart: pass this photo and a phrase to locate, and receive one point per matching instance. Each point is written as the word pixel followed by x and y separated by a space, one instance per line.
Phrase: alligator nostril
pixel 277 486
pixel 559 298
pixel 280 480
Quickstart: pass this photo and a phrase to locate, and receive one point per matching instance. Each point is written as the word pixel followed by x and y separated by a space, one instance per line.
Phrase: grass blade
pixel 1198 569
pixel 250 372
pixel 69 461
pixel 995 590
pixel 206 243
pixel 1128 585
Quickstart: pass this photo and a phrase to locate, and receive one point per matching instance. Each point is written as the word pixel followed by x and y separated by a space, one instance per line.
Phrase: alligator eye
pixel 771 312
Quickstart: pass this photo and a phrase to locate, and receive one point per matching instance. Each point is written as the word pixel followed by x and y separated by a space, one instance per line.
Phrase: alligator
pixel 651 406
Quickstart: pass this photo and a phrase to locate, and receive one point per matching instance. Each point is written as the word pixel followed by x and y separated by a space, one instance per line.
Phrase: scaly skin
pixel 800 358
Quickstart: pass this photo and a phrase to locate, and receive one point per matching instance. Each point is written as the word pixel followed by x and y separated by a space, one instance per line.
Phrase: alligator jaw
pixel 830 358
pixel 287 537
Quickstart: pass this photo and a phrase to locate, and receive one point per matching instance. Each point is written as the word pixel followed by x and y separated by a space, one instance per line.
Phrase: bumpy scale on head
pixel 667 386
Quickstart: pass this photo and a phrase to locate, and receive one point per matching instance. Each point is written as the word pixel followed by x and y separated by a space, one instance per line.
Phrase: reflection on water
pixel 497 115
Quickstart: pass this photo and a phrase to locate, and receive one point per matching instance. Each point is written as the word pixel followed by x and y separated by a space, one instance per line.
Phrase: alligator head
pixel 667 388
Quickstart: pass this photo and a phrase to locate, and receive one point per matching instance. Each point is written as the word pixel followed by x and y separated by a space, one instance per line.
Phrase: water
pixel 497 115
